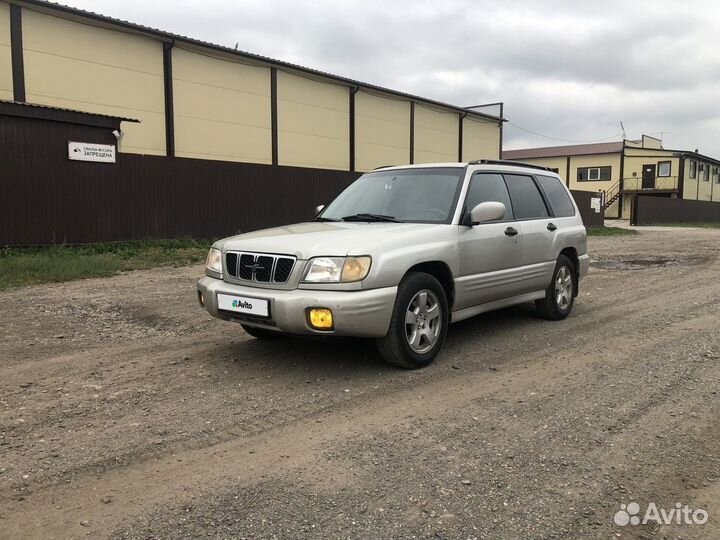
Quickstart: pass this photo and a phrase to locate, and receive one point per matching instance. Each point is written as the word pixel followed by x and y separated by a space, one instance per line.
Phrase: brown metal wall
pixel 46 198
pixel 649 210
pixel 589 216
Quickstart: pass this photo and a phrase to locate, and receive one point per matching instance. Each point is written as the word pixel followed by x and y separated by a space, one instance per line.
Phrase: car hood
pixel 314 239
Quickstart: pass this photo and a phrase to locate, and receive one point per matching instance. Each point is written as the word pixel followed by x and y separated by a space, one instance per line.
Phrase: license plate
pixel 244 304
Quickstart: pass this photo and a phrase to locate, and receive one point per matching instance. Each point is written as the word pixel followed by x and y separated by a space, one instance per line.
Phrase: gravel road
pixel 127 412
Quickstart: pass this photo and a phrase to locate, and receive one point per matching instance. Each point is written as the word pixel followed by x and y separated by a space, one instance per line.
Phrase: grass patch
pixel 27 266
pixel 700 225
pixel 609 231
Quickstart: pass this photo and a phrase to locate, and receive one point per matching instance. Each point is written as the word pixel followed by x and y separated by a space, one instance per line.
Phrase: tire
pixel 260 333
pixel 560 294
pixel 428 329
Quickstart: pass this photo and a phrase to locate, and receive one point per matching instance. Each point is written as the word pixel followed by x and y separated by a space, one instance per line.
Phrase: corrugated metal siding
pixel 49 199
pixel 647 210
pixel 589 216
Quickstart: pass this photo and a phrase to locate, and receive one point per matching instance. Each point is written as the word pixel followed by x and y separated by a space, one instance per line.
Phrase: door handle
pixel 551 227
pixel 510 231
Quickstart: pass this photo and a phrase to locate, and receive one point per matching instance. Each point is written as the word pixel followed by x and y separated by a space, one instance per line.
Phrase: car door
pixel 490 252
pixel 533 215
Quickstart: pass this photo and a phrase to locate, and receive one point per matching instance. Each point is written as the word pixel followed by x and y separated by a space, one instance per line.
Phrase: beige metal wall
pixel 690 185
pixel 636 158
pixel 382 131
pixel 313 123
pixel 704 192
pixel 599 160
pixel 79 66
pixel 699 188
pixel 222 108
pixel 6 90
pixel 481 139
pixel 436 135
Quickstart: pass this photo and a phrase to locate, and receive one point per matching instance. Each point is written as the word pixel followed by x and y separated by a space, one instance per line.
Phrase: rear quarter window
pixel 557 196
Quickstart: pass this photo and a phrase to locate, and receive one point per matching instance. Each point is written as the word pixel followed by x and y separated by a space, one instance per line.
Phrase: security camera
pixel 117 133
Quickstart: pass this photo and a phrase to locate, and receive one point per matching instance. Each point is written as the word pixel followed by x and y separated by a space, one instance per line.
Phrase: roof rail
pixel 383 167
pixel 507 162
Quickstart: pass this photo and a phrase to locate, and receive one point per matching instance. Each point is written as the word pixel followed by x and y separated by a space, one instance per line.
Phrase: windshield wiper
pixel 370 217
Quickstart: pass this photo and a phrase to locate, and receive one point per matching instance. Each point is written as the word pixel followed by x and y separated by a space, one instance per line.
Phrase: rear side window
pixel 526 199
pixel 555 192
pixel 488 187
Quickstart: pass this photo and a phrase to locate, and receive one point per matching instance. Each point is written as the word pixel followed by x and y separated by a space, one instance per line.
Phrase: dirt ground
pixel 127 412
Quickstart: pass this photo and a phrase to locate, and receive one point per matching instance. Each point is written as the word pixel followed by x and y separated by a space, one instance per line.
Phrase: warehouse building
pixel 198 101
pixel 625 169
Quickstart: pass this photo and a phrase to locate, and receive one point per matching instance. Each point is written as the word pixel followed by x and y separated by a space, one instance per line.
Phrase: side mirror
pixel 319 209
pixel 487 211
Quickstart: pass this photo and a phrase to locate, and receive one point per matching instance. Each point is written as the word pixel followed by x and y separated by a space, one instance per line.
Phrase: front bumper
pixel 362 313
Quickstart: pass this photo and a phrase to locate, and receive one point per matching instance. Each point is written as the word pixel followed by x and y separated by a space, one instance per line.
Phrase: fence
pixel 590 217
pixel 48 199
pixel 648 210
pixel 155 197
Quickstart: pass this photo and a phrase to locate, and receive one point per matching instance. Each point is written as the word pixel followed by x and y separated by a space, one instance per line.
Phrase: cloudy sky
pixel 567 70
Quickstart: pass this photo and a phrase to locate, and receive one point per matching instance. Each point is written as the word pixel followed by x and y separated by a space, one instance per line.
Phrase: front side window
pixel 664 168
pixel 527 203
pixel 693 168
pixel 594 174
pixel 412 195
pixel 485 187
pixel 557 196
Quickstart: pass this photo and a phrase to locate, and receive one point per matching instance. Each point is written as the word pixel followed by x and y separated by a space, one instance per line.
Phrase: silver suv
pixel 403 252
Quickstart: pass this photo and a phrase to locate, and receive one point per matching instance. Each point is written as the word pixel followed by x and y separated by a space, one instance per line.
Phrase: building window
pixel 704 173
pixel 593 174
pixel 715 175
pixel 664 168
pixel 693 168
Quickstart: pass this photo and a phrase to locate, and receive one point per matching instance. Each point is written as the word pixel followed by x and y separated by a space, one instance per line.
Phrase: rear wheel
pixel 259 333
pixel 419 323
pixel 560 294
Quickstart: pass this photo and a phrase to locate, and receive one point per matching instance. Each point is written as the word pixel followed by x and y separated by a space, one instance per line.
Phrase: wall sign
pixel 595 204
pixel 80 151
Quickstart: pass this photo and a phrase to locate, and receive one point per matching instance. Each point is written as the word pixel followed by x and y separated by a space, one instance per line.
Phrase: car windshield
pixel 407 195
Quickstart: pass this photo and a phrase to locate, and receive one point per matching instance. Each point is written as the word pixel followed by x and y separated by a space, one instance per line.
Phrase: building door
pixel 648 176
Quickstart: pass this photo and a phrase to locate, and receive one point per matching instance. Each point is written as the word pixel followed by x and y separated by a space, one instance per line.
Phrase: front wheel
pixel 560 294
pixel 419 323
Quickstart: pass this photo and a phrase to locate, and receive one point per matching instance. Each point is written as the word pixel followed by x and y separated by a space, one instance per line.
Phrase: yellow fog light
pixel 321 318
pixel 201 299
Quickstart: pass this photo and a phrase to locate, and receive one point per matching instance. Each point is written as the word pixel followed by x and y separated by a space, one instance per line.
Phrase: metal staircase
pixel 611 195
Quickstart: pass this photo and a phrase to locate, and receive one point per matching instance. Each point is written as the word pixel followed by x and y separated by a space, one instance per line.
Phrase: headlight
pixel 337 269
pixel 214 260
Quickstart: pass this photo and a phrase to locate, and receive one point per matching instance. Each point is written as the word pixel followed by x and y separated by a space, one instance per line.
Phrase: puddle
pixel 634 263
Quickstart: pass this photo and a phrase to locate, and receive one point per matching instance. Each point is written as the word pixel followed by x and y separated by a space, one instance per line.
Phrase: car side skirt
pixel 466 313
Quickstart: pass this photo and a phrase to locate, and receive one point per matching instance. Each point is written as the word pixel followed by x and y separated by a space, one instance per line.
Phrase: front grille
pixel 259 267
pixel 283 267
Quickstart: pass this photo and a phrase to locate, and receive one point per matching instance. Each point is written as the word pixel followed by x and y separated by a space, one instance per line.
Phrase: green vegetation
pixel 25 266
pixel 700 225
pixel 609 231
